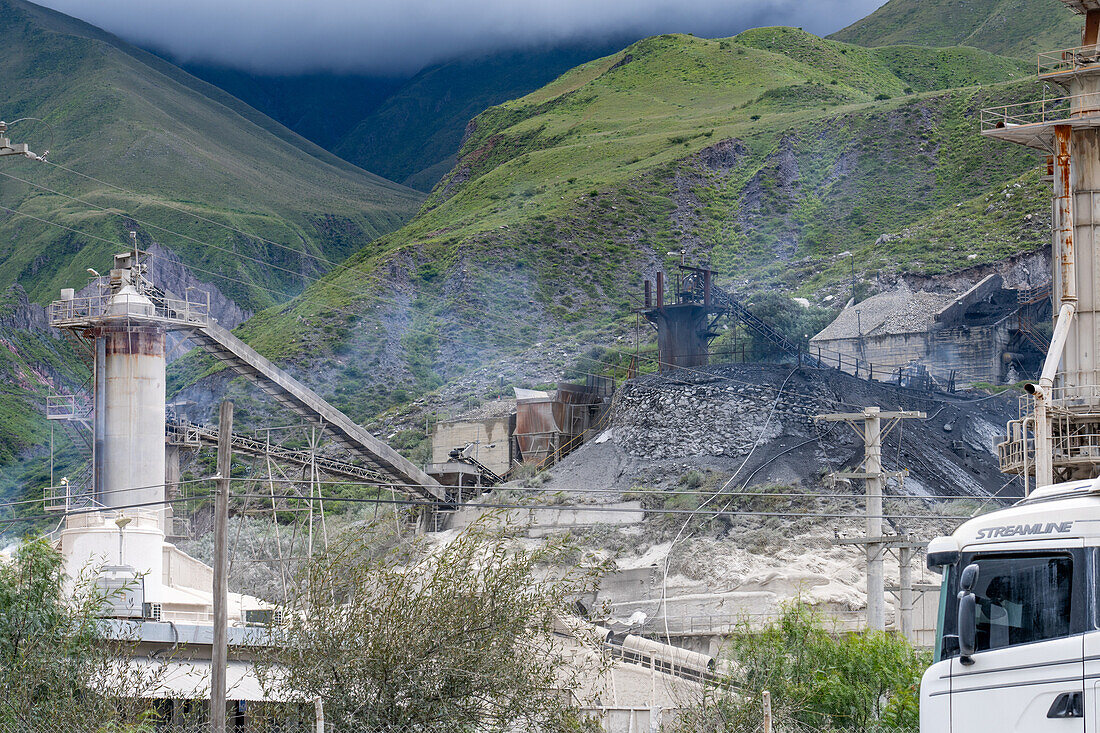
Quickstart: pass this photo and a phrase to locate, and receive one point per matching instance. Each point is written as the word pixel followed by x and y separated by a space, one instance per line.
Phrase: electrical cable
pixel 396 487
pixel 178 209
pixel 672 546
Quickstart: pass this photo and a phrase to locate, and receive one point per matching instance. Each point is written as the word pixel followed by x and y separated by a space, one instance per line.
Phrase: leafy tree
pixel 797 323
pixel 57 671
pixel 421 638
pixel 818 681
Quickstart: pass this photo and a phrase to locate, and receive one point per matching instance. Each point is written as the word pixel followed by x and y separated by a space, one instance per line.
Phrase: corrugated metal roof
pixel 896 311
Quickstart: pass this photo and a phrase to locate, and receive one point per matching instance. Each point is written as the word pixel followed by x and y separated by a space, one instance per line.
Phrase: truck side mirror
pixel 968 613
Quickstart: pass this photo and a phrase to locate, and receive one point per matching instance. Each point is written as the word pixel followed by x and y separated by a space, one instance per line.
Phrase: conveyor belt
pixel 244 360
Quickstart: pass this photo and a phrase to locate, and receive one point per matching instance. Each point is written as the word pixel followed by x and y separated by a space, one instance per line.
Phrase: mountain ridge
pixel 1018 28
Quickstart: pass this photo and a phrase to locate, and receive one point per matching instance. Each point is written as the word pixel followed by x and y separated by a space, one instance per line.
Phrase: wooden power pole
pixel 219 651
pixel 869 424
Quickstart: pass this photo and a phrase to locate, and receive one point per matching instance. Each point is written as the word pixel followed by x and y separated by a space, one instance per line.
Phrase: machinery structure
pixel 686 326
pixel 1057 437
pixel 123 513
pixel 123 322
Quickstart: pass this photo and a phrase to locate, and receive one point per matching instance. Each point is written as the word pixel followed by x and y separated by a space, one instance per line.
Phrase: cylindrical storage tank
pixel 133 396
pixel 91 541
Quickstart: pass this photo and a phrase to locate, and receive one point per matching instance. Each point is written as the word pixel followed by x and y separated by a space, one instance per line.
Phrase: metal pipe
pixel 1057 346
pixel 1063 222
pixel 1044 450
pixel 660 290
pixel 648 293
pixel 99 431
pixel 1092 28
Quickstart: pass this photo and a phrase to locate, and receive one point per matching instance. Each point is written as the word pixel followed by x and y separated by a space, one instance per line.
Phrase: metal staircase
pixel 695 284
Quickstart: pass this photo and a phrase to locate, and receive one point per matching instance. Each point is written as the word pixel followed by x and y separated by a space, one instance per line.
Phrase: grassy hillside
pixel 322 106
pixel 1019 28
pixel 414 134
pixel 131 119
pixel 771 155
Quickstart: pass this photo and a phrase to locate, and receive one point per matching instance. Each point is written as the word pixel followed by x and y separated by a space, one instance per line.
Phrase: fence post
pixel 767 712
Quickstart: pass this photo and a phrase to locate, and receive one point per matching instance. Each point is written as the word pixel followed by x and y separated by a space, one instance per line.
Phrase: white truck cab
pixel 1018 635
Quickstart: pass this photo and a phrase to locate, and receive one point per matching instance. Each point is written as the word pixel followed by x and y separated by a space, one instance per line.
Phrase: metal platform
pixel 1082 6
pixel 1032 123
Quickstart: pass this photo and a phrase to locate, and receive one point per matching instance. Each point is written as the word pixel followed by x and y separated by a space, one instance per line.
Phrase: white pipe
pixel 1057 346
pixel 1044 449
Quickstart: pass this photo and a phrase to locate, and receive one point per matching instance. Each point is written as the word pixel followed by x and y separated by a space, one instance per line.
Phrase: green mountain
pixel 134 121
pixel 1020 28
pixel 772 155
pixel 322 107
pixel 413 136
pixel 119 118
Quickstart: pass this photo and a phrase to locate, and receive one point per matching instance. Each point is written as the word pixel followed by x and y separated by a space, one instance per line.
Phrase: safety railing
pixel 70 496
pixel 67 407
pixel 1068 60
pixel 1037 112
pixel 106 306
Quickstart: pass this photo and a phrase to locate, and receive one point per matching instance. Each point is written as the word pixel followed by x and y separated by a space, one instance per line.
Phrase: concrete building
pixel 983 335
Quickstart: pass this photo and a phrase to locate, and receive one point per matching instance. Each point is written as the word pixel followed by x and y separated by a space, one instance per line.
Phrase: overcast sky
pixel 401 36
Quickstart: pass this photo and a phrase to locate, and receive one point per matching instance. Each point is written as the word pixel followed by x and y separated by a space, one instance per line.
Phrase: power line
pixel 123 214
pixel 394 487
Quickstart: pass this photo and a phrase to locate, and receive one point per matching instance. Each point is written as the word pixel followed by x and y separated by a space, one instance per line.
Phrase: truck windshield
pixel 1021 598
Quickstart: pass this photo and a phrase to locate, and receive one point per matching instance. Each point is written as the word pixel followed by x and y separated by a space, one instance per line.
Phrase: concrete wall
pixel 926 606
pixel 451 434
pixel 183 571
pixel 974 354
pixel 540 522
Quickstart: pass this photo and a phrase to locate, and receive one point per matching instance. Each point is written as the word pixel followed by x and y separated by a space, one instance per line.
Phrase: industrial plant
pixel 801 372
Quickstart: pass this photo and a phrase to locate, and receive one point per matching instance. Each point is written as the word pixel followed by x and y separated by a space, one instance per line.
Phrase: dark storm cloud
pixel 404 35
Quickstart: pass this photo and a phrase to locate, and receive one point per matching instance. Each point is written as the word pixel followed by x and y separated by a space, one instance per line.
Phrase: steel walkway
pixel 192 435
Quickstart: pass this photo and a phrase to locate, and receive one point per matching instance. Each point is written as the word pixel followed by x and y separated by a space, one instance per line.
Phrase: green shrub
pixel 818 680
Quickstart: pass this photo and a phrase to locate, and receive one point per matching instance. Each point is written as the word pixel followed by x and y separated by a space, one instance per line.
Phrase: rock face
pixel 17 313
pixel 673 420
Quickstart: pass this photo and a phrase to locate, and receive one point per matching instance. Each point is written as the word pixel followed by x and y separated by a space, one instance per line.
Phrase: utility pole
pixel 869 425
pixel 219 650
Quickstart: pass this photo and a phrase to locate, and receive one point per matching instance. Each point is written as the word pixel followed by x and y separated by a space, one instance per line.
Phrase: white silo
pixel 131 391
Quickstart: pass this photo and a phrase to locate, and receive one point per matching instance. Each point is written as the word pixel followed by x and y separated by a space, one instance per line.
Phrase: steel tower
pixel 1057 437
